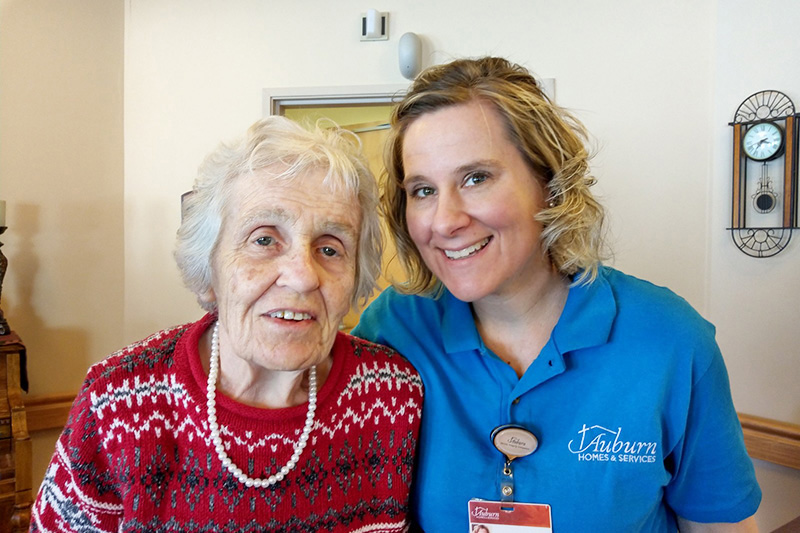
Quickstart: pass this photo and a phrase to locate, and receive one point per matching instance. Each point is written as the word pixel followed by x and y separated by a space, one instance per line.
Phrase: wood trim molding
pixel 48 412
pixel 766 439
pixel 771 440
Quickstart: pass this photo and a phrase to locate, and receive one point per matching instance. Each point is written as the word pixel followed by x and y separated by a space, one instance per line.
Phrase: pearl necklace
pixel 211 397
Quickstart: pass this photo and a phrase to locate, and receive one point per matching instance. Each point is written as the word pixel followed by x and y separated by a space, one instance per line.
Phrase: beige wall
pixel 61 175
pixel 656 87
pixel 61 83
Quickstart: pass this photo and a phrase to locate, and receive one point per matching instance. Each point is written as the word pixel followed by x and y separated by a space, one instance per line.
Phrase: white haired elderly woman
pixel 262 415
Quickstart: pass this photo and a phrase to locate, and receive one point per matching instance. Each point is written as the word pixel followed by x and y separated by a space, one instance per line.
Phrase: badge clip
pixel 513 441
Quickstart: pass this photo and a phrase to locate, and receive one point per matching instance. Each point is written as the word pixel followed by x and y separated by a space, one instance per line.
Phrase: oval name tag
pixel 514 441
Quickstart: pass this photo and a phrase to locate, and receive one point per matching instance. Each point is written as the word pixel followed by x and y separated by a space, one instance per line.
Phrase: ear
pixel 207 299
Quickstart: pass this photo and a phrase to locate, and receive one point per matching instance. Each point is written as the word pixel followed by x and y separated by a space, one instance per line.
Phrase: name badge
pixel 514 441
pixel 500 517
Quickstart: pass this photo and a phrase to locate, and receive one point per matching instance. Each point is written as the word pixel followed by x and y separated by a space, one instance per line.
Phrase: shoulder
pixel 396 319
pixel 376 363
pixel 652 323
pixel 395 303
pixel 365 351
pixel 115 388
pixel 145 356
pixel 652 305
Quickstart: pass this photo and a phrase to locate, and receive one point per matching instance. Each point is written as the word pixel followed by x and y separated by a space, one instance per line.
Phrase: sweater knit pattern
pixel 136 453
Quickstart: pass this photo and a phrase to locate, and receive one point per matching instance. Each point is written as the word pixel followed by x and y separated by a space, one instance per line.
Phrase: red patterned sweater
pixel 136 454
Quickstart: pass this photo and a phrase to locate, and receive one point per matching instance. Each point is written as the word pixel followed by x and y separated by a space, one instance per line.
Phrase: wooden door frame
pixel 276 100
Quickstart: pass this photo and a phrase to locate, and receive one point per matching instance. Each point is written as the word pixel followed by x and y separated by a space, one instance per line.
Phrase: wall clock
pixel 764 199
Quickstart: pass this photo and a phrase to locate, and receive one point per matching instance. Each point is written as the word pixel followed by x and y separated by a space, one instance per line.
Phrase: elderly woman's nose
pixel 299 270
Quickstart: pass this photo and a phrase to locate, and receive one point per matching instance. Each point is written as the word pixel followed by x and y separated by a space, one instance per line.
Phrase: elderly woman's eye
pixel 265 241
pixel 329 251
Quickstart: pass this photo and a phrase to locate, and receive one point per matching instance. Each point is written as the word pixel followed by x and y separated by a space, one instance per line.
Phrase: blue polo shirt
pixel 629 399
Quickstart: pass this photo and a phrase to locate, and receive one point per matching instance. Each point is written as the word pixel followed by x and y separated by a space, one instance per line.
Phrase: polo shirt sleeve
pixel 714 479
pixel 370 323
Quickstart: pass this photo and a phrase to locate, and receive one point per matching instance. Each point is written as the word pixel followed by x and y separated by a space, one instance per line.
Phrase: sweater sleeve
pixel 79 492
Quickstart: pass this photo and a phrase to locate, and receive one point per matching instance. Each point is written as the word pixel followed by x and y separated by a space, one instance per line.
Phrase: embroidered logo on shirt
pixel 596 443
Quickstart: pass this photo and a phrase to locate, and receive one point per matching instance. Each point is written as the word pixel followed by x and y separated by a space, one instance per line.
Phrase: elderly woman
pixel 563 384
pixel 261 416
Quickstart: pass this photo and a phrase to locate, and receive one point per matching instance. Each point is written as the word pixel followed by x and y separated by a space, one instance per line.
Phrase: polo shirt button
pixel 516 401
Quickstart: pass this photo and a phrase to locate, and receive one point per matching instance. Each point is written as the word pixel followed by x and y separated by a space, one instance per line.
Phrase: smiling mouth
pixel 468 251
pixel 289 315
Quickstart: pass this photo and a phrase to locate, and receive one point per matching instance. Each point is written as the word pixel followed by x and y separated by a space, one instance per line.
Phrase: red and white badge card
pixel 509 517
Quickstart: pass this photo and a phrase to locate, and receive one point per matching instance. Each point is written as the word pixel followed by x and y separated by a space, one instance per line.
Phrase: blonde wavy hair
pixel 550 139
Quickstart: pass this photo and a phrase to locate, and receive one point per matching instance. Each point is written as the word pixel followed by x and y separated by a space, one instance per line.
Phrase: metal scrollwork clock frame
pixel 765 188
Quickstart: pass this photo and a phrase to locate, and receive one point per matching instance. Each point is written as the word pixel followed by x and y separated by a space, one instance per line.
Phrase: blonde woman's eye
pixel 422 192
pixel 475 178
pixel 265 241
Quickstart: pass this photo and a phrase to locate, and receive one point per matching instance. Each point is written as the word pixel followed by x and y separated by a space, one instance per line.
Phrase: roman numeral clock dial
pixel 763 141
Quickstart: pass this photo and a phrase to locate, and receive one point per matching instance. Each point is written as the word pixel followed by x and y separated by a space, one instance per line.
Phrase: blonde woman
pixel 550 379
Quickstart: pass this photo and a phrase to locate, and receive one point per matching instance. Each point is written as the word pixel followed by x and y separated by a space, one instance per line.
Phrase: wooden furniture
pixel 791 527
pixel 15 444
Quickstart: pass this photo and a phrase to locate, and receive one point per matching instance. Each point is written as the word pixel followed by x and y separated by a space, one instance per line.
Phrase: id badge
pixel 504 517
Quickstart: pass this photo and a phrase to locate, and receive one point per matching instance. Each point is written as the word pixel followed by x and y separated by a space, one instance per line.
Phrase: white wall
pixel 655 82
pixel 754 302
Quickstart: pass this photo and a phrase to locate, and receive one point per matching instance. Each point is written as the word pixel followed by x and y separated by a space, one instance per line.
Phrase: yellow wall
pixel 343 116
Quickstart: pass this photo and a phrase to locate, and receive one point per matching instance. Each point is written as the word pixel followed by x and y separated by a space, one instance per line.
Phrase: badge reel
pixel 512 441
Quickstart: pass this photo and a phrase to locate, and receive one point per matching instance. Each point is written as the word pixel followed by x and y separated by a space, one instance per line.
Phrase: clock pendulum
pixel 764 199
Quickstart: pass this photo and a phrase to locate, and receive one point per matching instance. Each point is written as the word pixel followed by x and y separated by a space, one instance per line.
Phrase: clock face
pixel 763 141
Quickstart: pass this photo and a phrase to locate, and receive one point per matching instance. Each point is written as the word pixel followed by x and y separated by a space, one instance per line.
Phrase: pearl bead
pixel 216 439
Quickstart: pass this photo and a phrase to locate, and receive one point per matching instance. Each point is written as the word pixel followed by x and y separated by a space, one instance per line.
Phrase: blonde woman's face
pixel 471 202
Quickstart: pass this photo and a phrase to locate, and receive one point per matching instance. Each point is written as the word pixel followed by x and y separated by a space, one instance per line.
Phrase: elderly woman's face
pixel 284 269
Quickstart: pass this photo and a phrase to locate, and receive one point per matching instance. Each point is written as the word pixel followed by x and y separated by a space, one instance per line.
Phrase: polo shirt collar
pixel 588 316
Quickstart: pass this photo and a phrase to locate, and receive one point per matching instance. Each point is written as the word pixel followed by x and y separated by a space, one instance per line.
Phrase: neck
pixel 251 384
pixel 267 389
pixel 517 327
